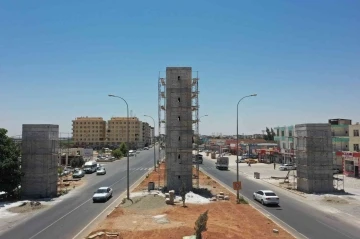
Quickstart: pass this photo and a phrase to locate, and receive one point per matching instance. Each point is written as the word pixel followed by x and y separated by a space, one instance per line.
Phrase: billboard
pixel 88 153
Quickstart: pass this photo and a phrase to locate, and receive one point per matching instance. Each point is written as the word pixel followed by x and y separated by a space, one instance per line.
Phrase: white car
pixel 101 171
pixel 266 197
pixel 286 167
pixel 102 194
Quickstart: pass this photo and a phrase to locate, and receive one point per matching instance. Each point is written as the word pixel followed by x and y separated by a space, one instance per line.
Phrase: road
pixel 303 218
pixel 66 218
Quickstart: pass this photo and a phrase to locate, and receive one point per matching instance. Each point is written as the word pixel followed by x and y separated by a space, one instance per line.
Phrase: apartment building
pixel 145 134
pixel 117 130
pixel 354 138
pixel 89 131
pixel 286 136
pixel 340 134
pixel 96 132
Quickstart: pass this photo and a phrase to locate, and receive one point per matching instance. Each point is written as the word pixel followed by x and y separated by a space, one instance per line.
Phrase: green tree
pixel 117 153
pixel 10 172
pixel 77 162
pixel 123 148
pixel 272 134
pixel 200 224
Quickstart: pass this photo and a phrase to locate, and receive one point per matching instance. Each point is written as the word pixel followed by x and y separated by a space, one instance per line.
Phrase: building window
pixel 356 133
pixel 178 77
pixel 282 133
pixel 356 147
pixel 277 132
pixel 178 118
pixel 179 99
pixel 290 134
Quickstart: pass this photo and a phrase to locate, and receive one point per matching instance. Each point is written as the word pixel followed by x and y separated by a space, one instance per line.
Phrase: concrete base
pixel 314 186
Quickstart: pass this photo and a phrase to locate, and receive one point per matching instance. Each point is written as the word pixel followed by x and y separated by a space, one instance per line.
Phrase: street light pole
pixel 237 141
pixel 153 141
pixel 128 147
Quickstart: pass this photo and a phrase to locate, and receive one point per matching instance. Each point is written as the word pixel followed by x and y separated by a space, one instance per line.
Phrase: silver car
pixel 101 171
pixel 102 194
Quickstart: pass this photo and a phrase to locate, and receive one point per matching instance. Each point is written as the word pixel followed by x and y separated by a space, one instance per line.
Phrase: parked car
pixel 266 197
pixel 101 171
pixel 78 174
pixel 102 194
pixel 286 167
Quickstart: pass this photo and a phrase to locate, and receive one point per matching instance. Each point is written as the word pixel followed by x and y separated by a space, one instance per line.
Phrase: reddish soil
pixel 226 219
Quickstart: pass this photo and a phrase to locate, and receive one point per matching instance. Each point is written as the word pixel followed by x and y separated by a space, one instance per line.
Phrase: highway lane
pixel 303 218
pixel 66 218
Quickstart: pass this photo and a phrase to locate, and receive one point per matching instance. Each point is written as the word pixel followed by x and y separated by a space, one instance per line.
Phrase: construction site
pixel 178 113
pixel 39 161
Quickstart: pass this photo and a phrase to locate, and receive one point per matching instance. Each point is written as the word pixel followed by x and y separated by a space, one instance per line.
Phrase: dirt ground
pixel 226 219
pixel 26 207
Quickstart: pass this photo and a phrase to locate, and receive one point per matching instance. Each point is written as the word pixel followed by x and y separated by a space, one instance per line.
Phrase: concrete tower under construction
pixel 179 132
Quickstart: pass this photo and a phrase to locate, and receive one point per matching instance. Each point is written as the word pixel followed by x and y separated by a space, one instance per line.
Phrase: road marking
pixel 71 211
pixel 121 195
pixel 258 208
pixel 335 229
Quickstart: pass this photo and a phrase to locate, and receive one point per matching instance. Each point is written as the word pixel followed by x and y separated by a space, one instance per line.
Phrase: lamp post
pixel 237 141
pixel 128 146
pixel 153 141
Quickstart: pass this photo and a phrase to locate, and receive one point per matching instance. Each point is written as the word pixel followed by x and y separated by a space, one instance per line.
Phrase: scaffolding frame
pixel 313 147
pixel 195 118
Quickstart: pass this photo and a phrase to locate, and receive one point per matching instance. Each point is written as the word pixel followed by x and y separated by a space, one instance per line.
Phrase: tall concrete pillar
pixel 179 131
pixel 314 158
pixel 40 147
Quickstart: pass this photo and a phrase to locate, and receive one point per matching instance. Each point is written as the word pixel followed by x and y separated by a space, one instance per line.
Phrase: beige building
pixel 95 132
pixel 117 130
pixel 354 138
pixel 89 131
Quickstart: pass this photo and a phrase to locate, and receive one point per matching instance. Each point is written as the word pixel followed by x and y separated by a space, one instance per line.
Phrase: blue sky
pixel 60 60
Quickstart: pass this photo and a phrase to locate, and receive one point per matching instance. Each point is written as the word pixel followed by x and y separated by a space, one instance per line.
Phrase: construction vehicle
pixel 222 163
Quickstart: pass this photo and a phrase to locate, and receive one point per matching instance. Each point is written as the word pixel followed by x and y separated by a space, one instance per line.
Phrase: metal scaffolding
pixel 195 116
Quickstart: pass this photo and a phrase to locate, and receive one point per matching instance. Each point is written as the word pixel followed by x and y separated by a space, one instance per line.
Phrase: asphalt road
pixel 66 218
pixel 303 218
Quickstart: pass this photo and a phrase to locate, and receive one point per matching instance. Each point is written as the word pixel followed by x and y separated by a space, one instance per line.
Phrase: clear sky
pixel 60 59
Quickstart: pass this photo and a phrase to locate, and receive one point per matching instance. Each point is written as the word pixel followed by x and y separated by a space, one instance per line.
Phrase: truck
pixel 222 163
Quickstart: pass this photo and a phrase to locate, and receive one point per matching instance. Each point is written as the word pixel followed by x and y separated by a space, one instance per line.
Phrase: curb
pixel 291 191
pixel 102 216
pixel 278 221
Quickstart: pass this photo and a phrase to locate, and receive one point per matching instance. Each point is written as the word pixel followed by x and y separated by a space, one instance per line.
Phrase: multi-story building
pixel 286 137
pixel 117 131
pixel 152 135
pixel 354 138
pixel 340 134
pixel 144 135
pixel 89 131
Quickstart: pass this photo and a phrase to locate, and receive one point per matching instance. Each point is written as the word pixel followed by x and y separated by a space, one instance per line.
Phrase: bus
pixel 90 167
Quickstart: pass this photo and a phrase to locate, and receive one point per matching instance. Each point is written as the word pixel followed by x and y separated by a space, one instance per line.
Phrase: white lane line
pixel 334 229
pixel 121 195
pixel 259 209
pixel 70 212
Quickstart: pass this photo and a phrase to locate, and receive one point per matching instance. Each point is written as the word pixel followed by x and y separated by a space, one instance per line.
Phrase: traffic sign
pixel 237 185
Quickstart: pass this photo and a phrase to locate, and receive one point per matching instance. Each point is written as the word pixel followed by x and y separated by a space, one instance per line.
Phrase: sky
pixel 60 59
